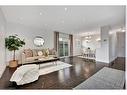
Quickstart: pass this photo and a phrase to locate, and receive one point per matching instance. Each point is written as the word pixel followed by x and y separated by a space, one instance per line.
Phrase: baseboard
pixel 102 62
pixel 76 55
pixel 69 56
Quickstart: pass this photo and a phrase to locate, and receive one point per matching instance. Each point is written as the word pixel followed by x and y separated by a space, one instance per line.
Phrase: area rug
pixel 51 67
pixel 106 78
pixel 86 57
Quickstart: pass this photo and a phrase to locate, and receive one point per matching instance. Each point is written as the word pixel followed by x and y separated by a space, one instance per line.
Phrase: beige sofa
pixel 29 55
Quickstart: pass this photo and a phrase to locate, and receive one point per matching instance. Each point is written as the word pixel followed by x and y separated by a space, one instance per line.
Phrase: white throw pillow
pixel 40 53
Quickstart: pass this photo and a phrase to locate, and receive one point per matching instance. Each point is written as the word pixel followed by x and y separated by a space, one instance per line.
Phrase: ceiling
pixel 67 19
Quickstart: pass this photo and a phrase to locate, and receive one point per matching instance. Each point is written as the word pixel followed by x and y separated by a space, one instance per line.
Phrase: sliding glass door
pixel 64 45
pixel 66 48
pixel 63 48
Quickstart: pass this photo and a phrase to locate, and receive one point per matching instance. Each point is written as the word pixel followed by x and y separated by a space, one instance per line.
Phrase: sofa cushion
pixel 29 59
pixel 28 53
pixel 32 54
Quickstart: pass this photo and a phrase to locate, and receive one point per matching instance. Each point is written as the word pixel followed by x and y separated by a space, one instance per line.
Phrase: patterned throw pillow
pixel 28 53
pixel 40 53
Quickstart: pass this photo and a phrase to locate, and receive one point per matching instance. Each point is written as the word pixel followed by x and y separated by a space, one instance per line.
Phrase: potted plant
pixel 13 43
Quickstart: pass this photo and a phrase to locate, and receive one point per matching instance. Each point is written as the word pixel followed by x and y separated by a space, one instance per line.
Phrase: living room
pixel 60 28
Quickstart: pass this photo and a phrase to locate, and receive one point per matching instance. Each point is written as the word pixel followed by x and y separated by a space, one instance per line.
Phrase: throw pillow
pixel 35 52
pixel 28 53
pixel 40 53
pixel 50 51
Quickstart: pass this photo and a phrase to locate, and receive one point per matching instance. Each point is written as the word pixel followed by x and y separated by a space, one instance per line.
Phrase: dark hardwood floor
pixel 64 79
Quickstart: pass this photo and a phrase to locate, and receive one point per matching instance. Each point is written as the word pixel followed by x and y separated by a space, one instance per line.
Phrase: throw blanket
pixel 25 74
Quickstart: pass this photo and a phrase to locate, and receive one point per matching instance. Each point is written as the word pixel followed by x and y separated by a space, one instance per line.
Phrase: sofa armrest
pixel 23 59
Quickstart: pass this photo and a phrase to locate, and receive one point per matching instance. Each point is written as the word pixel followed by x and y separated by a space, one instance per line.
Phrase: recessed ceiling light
pixel 40 13
pixel 123 30
pixel 46 25
pixel 98 39
pixel 65 9
pixel 62 21
pixel 111 32
pixel 21 18
pixel 86 37
pixel 83 20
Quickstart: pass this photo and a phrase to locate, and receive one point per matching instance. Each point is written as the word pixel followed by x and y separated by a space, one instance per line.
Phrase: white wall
pixel 116 45
pixel 112 46
pixel 93 44
pixel 2 42
pixel 121 44
pixel 76 45
pixel 28 33
pixel 102 54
